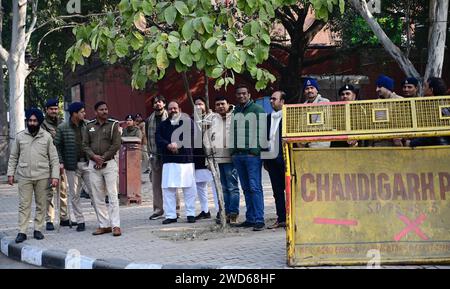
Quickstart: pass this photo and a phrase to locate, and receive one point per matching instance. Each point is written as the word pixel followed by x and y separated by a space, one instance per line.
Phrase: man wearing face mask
pixel 35 161
pixel 50 124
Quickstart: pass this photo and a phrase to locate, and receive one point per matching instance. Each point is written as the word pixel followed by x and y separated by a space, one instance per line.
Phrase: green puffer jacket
pixel 68 142
pixel 247 134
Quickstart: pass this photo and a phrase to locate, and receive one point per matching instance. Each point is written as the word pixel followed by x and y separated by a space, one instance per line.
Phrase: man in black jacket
pixel 174 138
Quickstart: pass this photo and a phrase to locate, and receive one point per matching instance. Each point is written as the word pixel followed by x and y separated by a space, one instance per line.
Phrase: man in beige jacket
pixel 35 161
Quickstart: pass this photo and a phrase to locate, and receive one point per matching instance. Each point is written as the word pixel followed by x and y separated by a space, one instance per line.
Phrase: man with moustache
pixel 178 162
pixel 409 87
pixel 385 88
pixel 50 124
pixel 154 120
pixel 35 161
pixel 72 159
pixel 101 141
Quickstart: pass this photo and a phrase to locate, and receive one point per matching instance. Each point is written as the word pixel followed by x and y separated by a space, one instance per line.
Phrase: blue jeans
pixel 249 170
pixel 230 188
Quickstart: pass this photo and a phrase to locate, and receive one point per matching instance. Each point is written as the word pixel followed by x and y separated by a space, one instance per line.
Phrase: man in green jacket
pixel 35 161
pixel 246 151
pixel 50 124
pixel 68 142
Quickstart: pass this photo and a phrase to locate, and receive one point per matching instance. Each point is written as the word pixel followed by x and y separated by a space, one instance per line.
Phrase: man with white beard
pixel 178 162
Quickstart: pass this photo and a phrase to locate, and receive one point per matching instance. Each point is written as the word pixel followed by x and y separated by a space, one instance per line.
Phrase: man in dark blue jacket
pixel 174 139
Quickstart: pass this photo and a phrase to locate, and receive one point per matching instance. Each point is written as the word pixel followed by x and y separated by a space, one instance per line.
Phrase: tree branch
pixel 33 22
pixel 312 30
pixel 280 46
pixel 51 31
pixel 287 10
pixel 276 63
pixel 287 23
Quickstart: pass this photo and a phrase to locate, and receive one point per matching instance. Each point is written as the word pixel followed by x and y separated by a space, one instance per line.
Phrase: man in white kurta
pixel 174 140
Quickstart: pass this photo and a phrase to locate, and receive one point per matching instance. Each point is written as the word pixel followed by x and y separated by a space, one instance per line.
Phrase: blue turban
pixel 411 80
pixel 75 107
pixel 36 112
pixel 310 82
pixel 52 102
pixel 386 82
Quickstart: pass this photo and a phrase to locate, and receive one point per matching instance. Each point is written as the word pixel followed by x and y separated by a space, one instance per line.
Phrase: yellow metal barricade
pixel 367 205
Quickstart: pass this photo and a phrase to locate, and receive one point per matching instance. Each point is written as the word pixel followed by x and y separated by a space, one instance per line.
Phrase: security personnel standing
pixel 50 124
pixel 131 130
pixel 35 161
pixel 101 141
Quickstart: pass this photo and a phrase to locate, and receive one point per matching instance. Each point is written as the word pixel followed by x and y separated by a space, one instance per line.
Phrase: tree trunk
pixel 438 33
pixel 3 110
pixel 290 76
pixel 404 63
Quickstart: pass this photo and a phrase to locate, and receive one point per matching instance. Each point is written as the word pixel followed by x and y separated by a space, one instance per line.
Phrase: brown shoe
pixel 116 232
pixel 100 231
pixel 277 225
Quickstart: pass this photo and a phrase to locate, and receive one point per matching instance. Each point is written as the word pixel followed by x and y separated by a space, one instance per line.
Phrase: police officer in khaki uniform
pixel 50 124
pixel 35 161
pixel 131 130
pixel 101 141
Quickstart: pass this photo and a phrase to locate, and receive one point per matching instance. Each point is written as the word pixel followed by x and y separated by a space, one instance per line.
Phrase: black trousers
pixel 275 167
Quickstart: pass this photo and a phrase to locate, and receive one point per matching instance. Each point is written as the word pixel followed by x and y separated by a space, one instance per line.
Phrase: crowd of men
pixel 57 160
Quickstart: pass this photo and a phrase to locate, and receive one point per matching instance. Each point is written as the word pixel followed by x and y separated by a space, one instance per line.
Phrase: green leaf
pixel 230 38
pixel 147 7
pixel 260 54
pixel 208 23
pixel 195 46
pixel 173 49
pixel 170 14
pixel 185 56
pixel 161 60
pixel 124 5
pixel 255 27
pixel 221 54
pixel 219 83
pixel 197 23
pixel 210 42
pixel 266 38
pixel 161 5
pixel 181 7
pixel 188 30
pixel 137 40
pixel 216 72
pixel 201 63
pixel 248 41
pixel 192 4
pixel 121 47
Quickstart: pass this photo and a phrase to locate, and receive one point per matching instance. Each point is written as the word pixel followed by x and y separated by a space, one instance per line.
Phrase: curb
pixel 58 259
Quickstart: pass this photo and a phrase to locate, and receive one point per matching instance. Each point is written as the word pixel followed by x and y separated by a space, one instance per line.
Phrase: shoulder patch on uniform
pixel 112 120
pixel 91 121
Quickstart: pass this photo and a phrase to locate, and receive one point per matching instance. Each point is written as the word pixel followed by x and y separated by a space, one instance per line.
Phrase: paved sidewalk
pixel 145 241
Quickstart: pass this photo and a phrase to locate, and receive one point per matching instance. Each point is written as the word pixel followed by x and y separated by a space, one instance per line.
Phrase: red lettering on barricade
pixel 413 182
pixel 303 180
pixel 444 188
pixel 411 226
pixel 326 221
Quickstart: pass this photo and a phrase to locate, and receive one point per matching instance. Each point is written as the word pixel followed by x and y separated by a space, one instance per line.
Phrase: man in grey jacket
pixel 35 161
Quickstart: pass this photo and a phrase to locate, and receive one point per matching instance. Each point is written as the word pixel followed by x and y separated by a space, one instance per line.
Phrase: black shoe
pixel 21 237
pixel 38 235
pixel 245 225
pixel 107 200
pixel 66 223
pixel 168 221
pixel 81 227
pixel 49 226
pixel 84 195
pixel 156 216
pixel 258 227
pixel 203 215
pixel 191 219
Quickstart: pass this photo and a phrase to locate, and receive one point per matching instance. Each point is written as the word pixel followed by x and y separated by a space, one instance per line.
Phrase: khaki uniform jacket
pixel 103 140
pixel 35 158
pixel 50 126
pixel 132 131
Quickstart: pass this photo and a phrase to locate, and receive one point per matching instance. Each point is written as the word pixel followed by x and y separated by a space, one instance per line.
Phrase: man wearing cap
pixel 35 161
pixel 72 159
pixel 385 88
pixel 50 124
pixel 409 87
pixel 347 93
pixel 311 92
pixel 131 130
pixel 101 141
